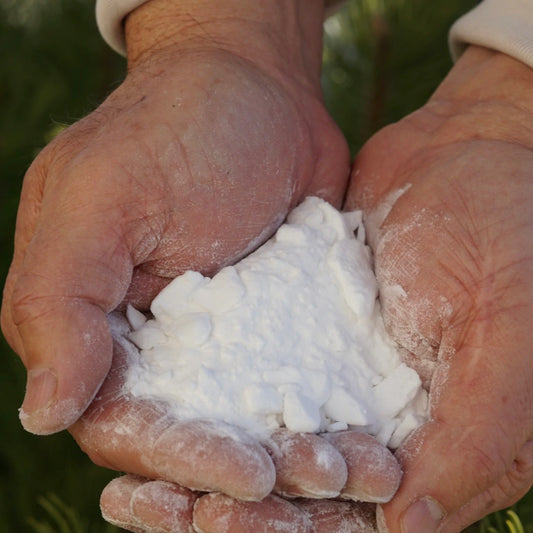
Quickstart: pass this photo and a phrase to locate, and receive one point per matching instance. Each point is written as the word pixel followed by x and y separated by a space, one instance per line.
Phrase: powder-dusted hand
pixel 192 162
pixel 454 260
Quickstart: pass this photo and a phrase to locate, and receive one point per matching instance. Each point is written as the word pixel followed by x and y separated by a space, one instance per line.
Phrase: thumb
pixel 74 271
pixel 480 420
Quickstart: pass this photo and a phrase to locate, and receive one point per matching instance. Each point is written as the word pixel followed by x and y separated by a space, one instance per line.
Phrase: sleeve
pixel 110 15
pixel 503 25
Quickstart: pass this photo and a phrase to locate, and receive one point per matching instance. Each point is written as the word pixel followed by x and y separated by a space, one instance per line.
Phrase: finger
pixel 510 488
pixel 306 465
pixel 374 474
pixel 477 429
pixel 135 436
pixel 27 216
pixel 9 329
pixel 137 504
pixel 139 438
pixel 332 172
pixel 115 502
pixel 218 513
pixel 465 464
pixel 75 270
pixel 346 517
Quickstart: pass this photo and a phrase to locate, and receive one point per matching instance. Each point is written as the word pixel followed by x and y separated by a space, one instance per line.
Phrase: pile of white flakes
pixel 291 336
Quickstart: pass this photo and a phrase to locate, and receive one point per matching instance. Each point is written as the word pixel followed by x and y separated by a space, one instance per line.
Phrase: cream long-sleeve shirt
pixel 110 15
pixel 503 25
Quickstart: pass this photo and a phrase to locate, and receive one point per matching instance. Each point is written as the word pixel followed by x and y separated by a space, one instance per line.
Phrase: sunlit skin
pixel 192 162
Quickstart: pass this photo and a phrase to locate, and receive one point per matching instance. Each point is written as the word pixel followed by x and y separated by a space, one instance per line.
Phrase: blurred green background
pixel 382 59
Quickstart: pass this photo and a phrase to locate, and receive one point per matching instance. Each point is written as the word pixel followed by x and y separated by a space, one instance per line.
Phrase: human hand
pixel 192 162
pixel 454 261
pixel 124 433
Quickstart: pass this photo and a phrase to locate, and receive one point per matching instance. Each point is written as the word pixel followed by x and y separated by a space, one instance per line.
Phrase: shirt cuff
pixel 502 25
pixel 110 15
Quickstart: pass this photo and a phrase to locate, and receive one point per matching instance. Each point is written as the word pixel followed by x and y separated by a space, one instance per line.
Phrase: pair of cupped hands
pixel 192 163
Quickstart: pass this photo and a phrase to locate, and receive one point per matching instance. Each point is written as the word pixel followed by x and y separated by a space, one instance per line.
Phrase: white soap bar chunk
pixel 347 261
pixel 223 293
pixel 300 413
pixel 408 424
pixel 318 386
pixel 174 298
pixel 192 329
pixel 135 318
pixel 263 399
pixel 148 336
pixel 394 392
pixel 343 407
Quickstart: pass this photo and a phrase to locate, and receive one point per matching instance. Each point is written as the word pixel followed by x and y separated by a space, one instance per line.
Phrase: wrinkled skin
pixel 141 505
pixel 190 164
pixel 450 221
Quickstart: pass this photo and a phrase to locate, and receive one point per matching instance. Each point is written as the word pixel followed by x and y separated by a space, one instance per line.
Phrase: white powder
pixel 291 336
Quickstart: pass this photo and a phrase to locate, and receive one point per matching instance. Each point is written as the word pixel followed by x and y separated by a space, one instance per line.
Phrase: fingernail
pixel 40 390
pixel 423 515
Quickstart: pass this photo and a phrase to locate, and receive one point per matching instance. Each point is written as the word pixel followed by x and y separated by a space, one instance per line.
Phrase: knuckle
pixel 523 464
pixel 489 459
pixel 512 486
pixel 8 328
pixel 27 304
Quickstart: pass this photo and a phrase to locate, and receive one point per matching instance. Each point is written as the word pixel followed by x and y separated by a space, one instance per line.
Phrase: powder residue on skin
pixel 291 336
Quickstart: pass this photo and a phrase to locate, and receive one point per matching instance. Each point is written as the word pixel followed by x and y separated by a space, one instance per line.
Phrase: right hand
pixel 190 164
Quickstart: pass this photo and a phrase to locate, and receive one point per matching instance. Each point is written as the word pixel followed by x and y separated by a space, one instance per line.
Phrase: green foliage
pixel 54 69
pixel 518 519
pixel 507 522
pixel 382 59
pixel 62 518
pixel 514 523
